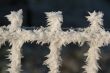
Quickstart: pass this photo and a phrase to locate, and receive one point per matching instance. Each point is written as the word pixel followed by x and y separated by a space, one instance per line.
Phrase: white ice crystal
pixel 16 19
pixel 94 35
pixel 54 20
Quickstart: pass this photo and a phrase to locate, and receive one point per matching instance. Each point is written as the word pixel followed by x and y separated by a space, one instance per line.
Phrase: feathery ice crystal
pixel 94 35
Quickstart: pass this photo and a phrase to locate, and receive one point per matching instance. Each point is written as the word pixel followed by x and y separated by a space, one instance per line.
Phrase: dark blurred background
pixel 74 12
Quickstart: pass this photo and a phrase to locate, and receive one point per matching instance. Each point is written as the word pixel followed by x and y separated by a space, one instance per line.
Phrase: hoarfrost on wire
pixel 95 35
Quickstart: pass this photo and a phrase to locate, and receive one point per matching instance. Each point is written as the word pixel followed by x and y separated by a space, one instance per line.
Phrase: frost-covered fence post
pixel 15 52
pixel 54 20
pixel 16 37
pixel 94 35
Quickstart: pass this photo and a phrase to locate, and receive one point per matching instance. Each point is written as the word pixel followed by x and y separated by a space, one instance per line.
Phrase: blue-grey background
pixel 74 12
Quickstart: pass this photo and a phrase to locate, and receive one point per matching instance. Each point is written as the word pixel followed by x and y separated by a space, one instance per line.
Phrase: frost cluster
pixel 94 35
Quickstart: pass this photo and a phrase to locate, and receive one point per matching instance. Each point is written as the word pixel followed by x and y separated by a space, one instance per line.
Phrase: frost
pixel 94 35
pixel 54 20
pixel 16 19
